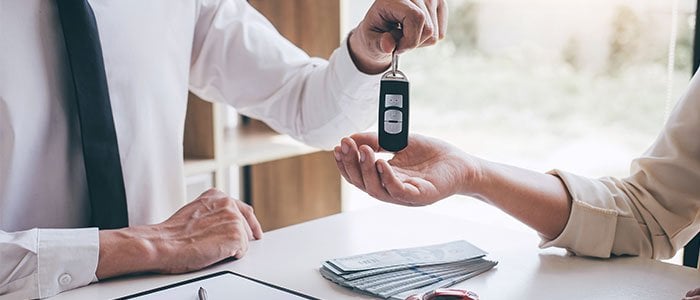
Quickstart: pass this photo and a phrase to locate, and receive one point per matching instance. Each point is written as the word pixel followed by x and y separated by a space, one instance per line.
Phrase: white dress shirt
pixel 154 52
pixel 652 213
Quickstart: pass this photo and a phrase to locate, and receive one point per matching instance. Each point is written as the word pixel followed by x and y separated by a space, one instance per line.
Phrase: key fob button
pixel 393 127
pixel 392 100
pixel 393 115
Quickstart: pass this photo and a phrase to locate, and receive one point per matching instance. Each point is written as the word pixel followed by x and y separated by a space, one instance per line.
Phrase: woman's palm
pixel 433 167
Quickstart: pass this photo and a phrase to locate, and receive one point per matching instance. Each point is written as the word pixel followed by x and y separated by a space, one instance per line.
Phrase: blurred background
pixel 579 85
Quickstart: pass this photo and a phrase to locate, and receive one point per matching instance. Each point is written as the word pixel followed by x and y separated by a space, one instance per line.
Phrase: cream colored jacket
pixel 652 213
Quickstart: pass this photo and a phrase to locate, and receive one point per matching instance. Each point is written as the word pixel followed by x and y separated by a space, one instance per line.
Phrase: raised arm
pixel 239 58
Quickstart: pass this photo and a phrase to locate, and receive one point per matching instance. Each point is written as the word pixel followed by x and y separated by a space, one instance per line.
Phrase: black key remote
pixel 393 109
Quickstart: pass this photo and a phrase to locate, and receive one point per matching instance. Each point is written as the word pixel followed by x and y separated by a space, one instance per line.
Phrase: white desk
pixel 290 257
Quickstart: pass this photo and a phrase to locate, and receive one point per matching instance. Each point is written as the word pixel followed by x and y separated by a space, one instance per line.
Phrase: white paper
pixel 225 286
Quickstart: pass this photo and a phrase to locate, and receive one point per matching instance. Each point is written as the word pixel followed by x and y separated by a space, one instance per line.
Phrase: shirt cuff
pixel 590 230
pixel 67 259
pixel 355 83
pixel 356 95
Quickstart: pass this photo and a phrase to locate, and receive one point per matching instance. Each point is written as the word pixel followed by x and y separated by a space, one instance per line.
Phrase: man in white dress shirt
pixel 154 52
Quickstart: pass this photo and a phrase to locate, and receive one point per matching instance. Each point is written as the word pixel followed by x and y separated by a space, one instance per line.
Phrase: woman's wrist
pixel 475 176
pixel 539 200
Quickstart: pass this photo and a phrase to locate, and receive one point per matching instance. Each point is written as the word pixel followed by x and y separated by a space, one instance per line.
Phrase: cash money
pixel 441 253
pixel 398 273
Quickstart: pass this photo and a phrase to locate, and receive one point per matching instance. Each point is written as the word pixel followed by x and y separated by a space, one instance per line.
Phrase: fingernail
pixel 380 169
pixel 336 154
pixel 345 148
pixel 362 156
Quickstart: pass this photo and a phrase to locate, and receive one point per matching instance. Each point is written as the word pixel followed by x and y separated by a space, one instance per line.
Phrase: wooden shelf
pixel 198 166
pixel 249 145
pixel 253 145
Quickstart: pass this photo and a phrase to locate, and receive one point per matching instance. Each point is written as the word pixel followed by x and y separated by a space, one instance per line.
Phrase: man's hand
pixel 692 295
pixel 426 171
pixel 424 22
pixel 211 228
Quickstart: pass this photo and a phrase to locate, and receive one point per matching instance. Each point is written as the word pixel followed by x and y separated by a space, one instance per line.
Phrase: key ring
pixel 394 63
pixel 395 56
pixel 394 73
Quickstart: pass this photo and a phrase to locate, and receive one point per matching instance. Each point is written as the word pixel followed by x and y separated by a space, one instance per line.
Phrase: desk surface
pixel 290 257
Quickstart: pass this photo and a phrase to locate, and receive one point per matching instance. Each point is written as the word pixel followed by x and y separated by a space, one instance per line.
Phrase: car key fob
pixel 393 109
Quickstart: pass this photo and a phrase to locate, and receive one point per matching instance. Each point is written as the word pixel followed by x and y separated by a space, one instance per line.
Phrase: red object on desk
pixel 446 294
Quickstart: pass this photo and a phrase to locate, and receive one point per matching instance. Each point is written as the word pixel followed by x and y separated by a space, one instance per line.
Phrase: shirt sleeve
pixel 652 213
pixel 41 263
pixel 239 58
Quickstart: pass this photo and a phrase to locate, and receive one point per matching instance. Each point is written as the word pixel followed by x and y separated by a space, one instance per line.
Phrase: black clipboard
pixel 192 285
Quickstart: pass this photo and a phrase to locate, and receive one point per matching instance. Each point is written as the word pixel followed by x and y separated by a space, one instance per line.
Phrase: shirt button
pixel 65 279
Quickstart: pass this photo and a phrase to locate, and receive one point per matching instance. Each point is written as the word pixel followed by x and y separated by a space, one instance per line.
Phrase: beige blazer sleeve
pixel 652 213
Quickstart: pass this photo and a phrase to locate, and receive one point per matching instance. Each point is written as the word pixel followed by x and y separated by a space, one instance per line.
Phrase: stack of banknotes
pixel 399 273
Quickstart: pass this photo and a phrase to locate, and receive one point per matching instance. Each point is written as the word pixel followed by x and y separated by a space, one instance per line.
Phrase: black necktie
pixel 100 150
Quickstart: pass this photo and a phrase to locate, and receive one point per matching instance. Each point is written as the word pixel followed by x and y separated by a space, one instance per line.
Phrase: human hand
pixel 424 23
pixel 692 295
pixel 209 229
pixel 426 171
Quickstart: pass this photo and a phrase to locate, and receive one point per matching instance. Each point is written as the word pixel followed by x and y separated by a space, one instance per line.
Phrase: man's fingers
pixel 351 162
pixel 248 231
pixel 442 17
pixel 430 30
pixel 234 212
pixel 373 184
pixel 252 225
pixel 413 23
pixel 242 249
pixel 428 27
pixel 695 292
pixel 387 42
pixel 435 37
pixel 243 244
pixel 422 23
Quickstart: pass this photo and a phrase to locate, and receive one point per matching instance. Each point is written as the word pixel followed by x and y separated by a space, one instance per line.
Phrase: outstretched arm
pixel 430 170
pixel 652 213
pixel 539 200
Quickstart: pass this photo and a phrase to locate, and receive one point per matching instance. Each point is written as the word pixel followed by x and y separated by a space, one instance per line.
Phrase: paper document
pixel 223 285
